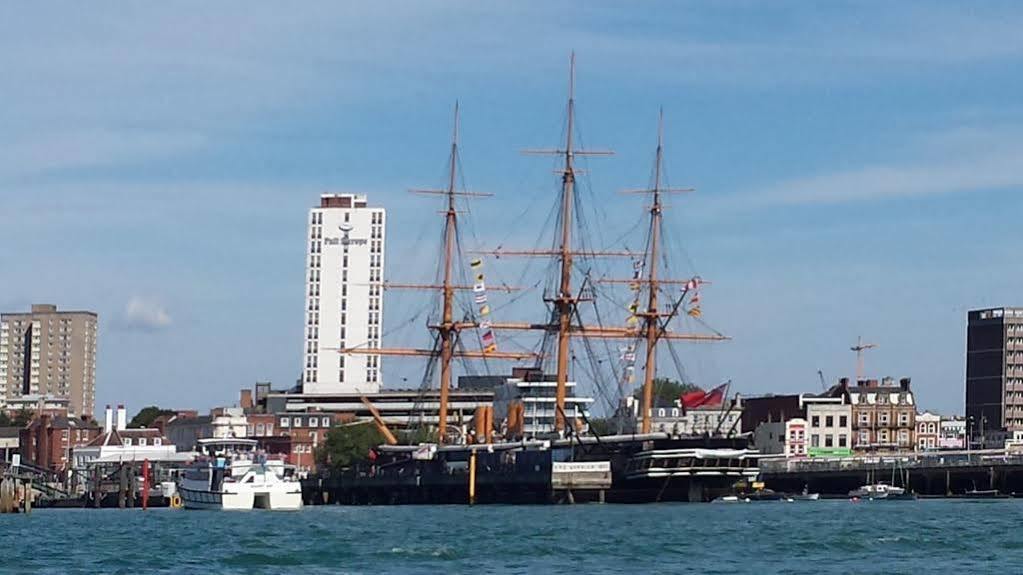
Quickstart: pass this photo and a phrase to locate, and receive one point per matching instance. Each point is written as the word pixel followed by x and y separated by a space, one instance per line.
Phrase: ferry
pixel 230 474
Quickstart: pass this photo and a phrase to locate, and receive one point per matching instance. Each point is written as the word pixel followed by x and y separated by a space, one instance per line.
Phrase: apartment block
pixel 49 353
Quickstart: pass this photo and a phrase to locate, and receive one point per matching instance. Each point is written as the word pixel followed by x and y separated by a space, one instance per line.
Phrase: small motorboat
pixel 805 496
pixel 881 492
pixel 731 499
pixel 984 494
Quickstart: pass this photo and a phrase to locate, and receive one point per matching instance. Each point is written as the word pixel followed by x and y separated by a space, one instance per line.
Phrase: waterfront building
pixel 952 433
pixel 401 409
pixel 119 443
pixel 46 352
pixel 344 303
pixel 771 409
pixel 48 441
pixel 804 425
pixel 994 371
pixel 795 437
pixel 722 419
pixel 883 414
pixel 533 393
pixel 928 431
pixel 8 443
pixel 828 426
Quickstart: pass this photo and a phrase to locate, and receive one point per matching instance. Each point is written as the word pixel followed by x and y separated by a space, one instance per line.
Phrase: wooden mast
pixel 446 331
pixel 652 317
pixel 565 301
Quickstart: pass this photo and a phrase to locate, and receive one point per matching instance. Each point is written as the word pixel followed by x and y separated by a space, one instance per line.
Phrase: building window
pixel 142 441
pixel 285 422
pixel 157 441
pixel 829 421
pixel 815 440
pixel 815 421
pixel 843 421
pixel 842 440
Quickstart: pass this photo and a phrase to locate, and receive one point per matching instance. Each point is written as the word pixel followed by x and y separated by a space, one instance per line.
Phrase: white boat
pixel 230 474
pixel 878 491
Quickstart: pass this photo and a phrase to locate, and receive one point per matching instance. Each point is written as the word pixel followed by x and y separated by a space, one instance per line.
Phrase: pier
pixel 937 474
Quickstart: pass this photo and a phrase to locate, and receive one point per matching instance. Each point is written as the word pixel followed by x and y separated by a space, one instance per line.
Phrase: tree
pixel 22 418
pixel 5 420
pixel 603 426
pixel 666 391
pixel 147 415
pixel 417 436
pixel 348 444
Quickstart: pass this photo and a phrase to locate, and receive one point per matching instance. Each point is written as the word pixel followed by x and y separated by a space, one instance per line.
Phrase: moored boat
pixel 230 474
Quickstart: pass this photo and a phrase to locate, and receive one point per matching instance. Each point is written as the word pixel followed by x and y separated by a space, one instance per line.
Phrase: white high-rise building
pixel 344 304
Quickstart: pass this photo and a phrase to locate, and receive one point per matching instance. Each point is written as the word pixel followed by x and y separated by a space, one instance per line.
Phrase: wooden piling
pixel 472 477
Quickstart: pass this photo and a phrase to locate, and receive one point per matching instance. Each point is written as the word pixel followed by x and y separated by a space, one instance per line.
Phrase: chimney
pixel 904 383
pixel 844 382
pixel 246 399
pixel 122 418
pixel 108 423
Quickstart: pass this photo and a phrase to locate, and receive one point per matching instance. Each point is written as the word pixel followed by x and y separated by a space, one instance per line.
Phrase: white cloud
pixel 144 315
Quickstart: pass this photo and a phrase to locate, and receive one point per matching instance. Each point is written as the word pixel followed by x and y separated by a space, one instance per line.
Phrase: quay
pixel 937 474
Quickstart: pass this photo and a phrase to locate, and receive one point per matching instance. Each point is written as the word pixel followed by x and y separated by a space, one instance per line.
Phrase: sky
pixel 857 168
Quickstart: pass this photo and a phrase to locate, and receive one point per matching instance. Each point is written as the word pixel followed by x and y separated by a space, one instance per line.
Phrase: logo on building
pixel 345 240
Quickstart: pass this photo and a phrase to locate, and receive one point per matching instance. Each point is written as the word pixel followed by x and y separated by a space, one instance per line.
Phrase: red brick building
pixel 49 440
pixel 293 435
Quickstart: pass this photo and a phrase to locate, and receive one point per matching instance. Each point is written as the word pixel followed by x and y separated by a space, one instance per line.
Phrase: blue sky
pixel 858 168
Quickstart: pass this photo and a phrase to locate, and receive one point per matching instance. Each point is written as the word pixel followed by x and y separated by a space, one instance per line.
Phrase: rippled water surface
pixel 813 537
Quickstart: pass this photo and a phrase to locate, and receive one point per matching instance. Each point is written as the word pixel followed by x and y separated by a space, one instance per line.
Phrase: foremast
pixel 447 330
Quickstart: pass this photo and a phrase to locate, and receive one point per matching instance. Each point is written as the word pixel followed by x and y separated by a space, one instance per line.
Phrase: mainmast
pixel 565 301
pixel 446 331
pixel 652 317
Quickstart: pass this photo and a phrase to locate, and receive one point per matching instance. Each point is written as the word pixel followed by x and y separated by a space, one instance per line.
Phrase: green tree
pixel 417 436
pixel 348 444
pixel 147 415
pixel 666 390
pixel 603 426
pixel 22 418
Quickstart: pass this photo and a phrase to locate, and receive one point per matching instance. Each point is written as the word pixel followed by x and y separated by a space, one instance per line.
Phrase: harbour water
pixel 814 537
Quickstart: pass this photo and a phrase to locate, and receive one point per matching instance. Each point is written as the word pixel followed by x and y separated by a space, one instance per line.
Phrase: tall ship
pixel 230 474
pixel 536 443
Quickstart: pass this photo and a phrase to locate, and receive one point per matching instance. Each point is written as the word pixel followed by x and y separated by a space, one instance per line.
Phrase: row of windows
pixel 883 418
pixel 310 421
pixel 829 440
pixel 377 218
pixel 883 436
pixel 829 421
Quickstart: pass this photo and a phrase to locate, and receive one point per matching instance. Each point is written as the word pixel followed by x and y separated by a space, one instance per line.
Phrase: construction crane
pixel 859 348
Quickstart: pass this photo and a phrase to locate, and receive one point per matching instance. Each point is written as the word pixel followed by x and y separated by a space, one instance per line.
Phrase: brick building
pixel 48 441
pixel 883 414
